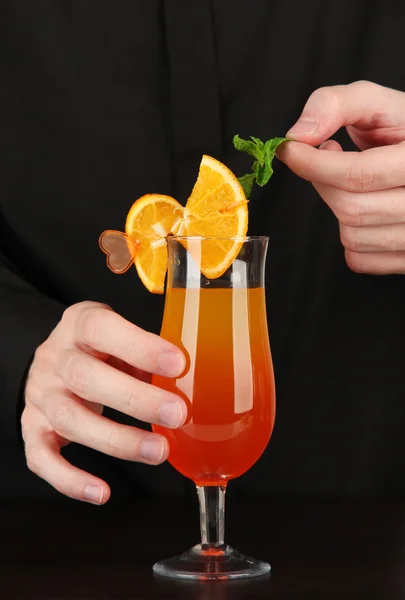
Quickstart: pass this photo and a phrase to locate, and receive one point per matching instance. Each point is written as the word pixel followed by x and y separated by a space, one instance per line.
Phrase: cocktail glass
pixel 228 385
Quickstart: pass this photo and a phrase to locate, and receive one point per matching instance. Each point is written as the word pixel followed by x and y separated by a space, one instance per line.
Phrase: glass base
pixel 215 563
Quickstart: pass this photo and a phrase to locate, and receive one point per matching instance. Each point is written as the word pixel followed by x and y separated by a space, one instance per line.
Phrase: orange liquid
pixel 228 385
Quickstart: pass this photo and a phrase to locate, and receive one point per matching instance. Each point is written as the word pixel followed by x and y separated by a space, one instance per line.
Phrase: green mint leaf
pixel 264 173
pixel 258 143
pixel 247 182
pixel 256 167
pixel 264 154
pixel 271 145
pixel 248 146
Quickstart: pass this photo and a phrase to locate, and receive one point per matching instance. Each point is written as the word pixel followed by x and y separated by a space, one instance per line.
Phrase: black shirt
pixel 101 102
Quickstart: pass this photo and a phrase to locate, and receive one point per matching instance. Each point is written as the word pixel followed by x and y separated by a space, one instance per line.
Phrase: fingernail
pixel 303 126
pixel 327 144
pixel 152 450
pixel 93 493
pixel 171 414
pixel 171 364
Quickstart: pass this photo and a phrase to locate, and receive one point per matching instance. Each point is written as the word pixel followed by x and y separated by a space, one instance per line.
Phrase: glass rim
pixel 233 238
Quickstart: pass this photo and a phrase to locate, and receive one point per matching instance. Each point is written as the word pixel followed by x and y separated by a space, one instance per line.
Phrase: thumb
pixel 363 104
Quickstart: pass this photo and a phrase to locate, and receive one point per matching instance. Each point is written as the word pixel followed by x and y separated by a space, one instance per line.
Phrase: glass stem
pixel 211 499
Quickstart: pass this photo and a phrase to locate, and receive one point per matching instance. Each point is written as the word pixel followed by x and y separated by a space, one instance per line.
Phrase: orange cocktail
pixel 215 311
pixel 229 383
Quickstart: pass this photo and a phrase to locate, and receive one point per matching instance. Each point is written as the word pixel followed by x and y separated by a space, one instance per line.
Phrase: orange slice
pixel 150 219
pixel 217 208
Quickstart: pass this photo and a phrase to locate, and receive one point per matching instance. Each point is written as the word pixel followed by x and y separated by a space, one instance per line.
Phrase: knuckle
pixel 115 444
pixel 26 423
pixel 349 211
pixel 349 238
pixel 355 261
pixel 133 347
pixel 360 178
pixel 132 400
pixel 77 373
pixel 73 313
pixel 33 456
pixel 327 95
pixel 32 391
pixel 365 86
pixel 122 443
pixel 91 325
pixel 44 356
pixel 63 418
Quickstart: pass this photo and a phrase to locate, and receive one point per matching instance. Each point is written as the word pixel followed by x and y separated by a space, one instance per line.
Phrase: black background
pixel 101 102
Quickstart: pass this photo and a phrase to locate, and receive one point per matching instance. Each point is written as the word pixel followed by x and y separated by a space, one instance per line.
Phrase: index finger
pixel 374 169
pixel 109 333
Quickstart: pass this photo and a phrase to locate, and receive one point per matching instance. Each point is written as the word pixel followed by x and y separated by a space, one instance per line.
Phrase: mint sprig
pixel 263 153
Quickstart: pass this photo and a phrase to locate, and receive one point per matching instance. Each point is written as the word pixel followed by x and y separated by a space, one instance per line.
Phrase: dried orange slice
pixel 150 219
pixel 216 209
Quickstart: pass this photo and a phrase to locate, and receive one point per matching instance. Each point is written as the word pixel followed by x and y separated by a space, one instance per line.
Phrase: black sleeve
pixel 26 319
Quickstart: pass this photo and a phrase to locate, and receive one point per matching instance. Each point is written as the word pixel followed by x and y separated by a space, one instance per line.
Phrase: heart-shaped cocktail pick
pixel 119 248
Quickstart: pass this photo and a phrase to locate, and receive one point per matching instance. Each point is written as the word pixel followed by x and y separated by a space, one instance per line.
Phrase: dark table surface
pixel 318 550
